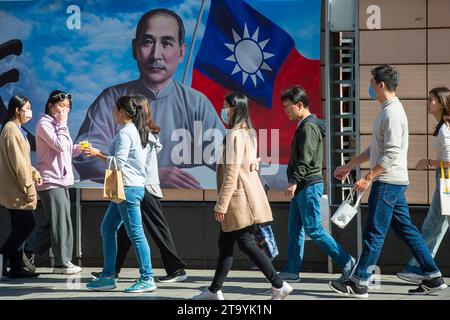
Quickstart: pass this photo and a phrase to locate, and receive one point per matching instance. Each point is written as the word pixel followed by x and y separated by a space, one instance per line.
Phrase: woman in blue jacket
pixel 128 153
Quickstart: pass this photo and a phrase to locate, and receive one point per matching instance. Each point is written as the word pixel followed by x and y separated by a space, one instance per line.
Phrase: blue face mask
pixel 371 93
pixel 224 116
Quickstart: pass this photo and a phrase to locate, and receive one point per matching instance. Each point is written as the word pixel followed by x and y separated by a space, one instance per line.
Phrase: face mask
pixel 28 114
pixel 371 93
pixel 224 116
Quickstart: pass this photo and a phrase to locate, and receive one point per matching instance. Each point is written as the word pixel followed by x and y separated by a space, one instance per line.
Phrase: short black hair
pixel 162 11
pixel 295 95
pixel 387 74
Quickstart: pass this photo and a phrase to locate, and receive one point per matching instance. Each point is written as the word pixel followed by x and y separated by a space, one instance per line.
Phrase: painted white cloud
pixel 47 8
pixel 188 11
pixel 13 28
pixel 53 66
pixel 108 34
pixel 69 56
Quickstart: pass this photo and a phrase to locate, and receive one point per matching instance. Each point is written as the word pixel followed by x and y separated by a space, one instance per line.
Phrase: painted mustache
pixel 155 65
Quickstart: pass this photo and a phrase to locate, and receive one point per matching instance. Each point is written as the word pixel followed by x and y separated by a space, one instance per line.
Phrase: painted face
pixel 157 50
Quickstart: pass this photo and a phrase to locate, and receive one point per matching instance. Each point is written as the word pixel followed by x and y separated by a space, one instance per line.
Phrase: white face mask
pixel 28 114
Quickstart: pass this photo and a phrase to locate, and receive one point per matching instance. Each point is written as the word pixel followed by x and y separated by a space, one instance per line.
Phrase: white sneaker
pixel 289 277
pixel 69 269
pixel 283 292
pixel 411 277
pixel 208 295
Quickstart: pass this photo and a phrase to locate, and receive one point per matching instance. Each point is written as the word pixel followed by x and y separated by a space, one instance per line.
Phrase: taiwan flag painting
pixel 242 50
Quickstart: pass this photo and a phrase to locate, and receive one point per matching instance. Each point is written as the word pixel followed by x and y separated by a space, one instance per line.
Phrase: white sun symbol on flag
pixel 249 55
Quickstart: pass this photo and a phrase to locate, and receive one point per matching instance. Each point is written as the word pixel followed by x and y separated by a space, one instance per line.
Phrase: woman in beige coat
pixel 242 202
pixel 17 187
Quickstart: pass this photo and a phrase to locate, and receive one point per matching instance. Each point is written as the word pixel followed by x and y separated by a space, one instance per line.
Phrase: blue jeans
pixel 305 217
pixel 434 227
pixel 388 206
pixel 128 212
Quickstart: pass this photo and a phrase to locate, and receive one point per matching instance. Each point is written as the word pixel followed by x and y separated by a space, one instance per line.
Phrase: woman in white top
pixel 435 224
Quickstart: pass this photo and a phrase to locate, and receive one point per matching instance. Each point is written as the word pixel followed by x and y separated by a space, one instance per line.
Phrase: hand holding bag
pixel 345 213
pixel 444 191
pixel 113 189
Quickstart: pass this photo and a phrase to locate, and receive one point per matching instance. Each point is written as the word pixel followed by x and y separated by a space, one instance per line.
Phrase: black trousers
pixel 156 224
pixel 246 242
pixel 22 225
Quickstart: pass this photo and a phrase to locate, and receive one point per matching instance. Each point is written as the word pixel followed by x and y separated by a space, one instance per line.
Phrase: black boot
pixel 21 272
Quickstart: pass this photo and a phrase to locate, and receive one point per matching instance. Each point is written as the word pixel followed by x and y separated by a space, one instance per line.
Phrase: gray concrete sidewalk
pixel 240 285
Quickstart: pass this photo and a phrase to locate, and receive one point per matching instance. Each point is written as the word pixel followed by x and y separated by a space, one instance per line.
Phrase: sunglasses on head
pixel 62 96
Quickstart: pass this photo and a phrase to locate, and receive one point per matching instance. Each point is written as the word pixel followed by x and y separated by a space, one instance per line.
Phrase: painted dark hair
pixel 442 95
pixel 136 113
pixel 54 98
pixel 239 102
pixel 16 102
pixel 141 100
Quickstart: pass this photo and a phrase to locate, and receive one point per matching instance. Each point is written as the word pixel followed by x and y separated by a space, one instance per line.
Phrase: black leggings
pixel 246 242
pixel 22 224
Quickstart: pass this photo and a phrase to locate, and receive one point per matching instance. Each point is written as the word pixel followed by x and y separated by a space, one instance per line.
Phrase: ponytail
pixel 137 115
pixel 141 124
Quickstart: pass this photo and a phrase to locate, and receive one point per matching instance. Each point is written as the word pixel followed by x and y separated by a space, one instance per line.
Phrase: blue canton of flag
pixel 242 50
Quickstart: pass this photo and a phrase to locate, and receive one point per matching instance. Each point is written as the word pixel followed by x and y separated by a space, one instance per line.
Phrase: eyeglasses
pixel 62 96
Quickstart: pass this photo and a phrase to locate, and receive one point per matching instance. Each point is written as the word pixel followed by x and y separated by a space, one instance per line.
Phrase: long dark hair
pixel 137 115
pixel 54 98
pixel 239 102
pixel 141 100
pixel 16 102
pixel 442 95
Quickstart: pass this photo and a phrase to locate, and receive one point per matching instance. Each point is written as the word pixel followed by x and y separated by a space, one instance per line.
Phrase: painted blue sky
pixel 86 61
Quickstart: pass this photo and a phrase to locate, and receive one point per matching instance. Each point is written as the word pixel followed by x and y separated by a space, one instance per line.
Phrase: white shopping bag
pixel 346 211
pixel 444 192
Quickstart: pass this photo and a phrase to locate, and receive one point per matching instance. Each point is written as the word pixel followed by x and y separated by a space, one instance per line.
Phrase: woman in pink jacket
pixel 55 150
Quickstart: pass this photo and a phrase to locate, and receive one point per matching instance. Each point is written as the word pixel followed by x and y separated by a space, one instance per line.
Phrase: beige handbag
pixel 113 189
